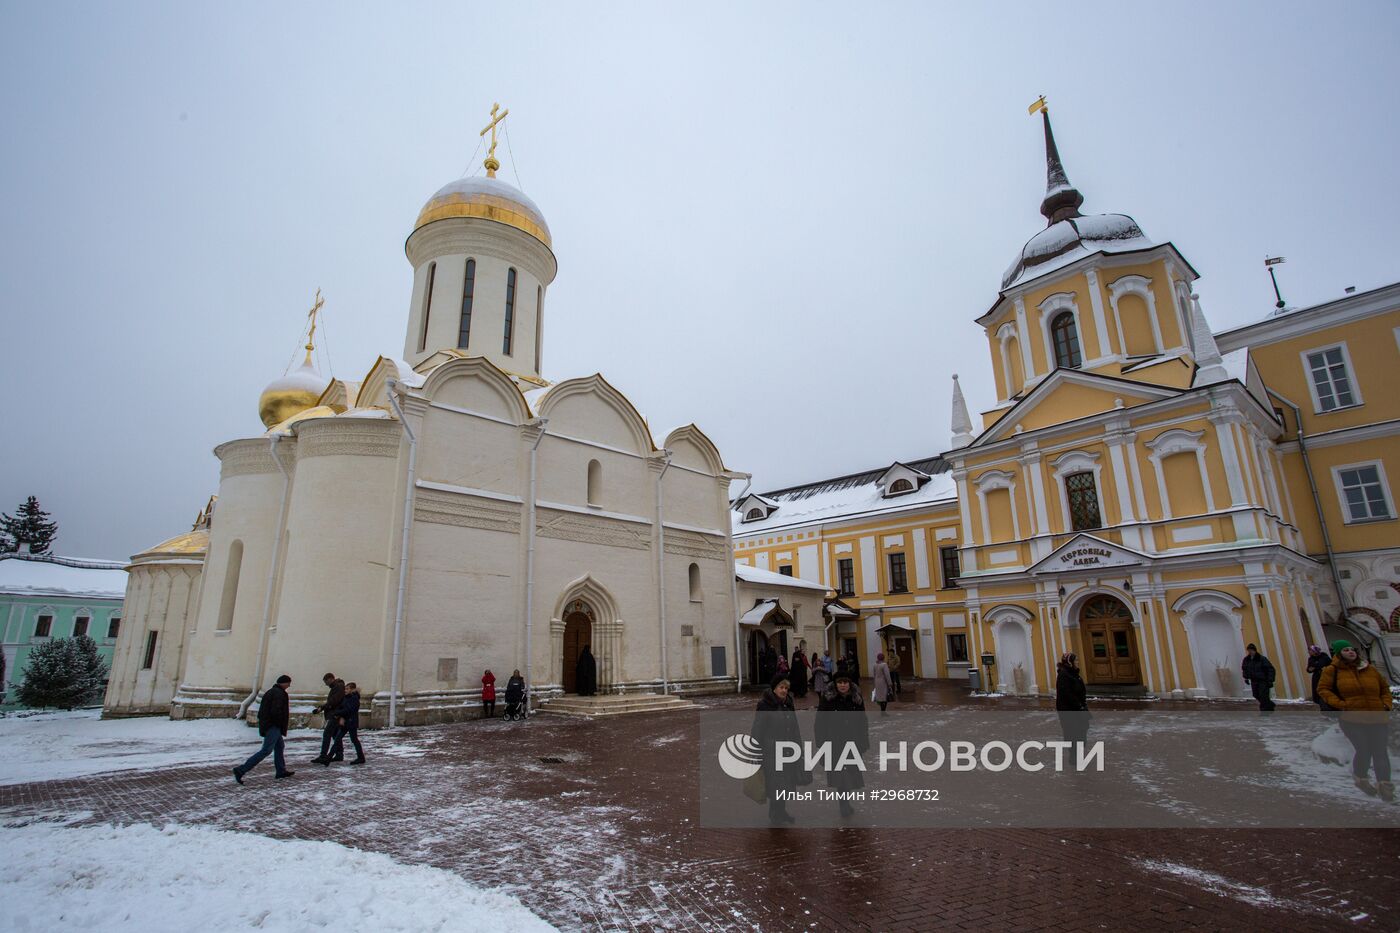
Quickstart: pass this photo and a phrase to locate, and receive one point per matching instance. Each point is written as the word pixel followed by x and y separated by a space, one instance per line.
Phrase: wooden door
pixel 1110 644
pixel 904 656
pixel 578 631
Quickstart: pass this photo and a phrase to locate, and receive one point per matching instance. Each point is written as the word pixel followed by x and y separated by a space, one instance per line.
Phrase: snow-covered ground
pixel 181 878
pixel 56 745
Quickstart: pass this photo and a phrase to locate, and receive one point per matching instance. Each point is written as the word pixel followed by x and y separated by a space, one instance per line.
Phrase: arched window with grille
pixel 1083 495
pixel 468 289
pixel 901 485
pixel 1065 337
pixel 510 313
pixel 753 515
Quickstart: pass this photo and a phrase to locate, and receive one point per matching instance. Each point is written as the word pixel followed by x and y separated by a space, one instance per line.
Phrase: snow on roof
pixel 847 496
pixel 1236 363
pixel 759 612
pixel 769 578
pixel 407 374
pixel 1070 240
pixel 62 576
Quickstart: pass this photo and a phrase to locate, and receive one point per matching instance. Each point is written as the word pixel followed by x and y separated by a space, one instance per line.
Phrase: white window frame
pixel 1342 498
pixel 1080 461
pixel 1050 309
pixel 1178 441
pixel 1353 382
pixel 988 482
pixel 1007 333
pixel 1141 286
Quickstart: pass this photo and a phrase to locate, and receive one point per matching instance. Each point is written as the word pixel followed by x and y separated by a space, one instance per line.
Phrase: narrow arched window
pixel 1066 340
pixel 539 324
pixel 510 313
pixel 595 482
pixel 427 305
pixel 468 288
pixel 230 593
pixel 695 583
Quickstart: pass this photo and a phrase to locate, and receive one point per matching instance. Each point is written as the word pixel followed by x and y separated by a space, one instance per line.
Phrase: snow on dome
pixel 1062 243
pixel 487 198
pixel 295 392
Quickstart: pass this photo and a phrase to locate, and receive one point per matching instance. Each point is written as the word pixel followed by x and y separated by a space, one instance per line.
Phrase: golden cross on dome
pixel 491 163
pixel 311 335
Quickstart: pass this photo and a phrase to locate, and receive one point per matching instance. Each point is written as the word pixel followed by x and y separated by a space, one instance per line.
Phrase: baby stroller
pixel 515 701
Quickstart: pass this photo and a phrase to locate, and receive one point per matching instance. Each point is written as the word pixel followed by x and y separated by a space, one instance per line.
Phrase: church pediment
pixel 1087 552
pixel 1070 394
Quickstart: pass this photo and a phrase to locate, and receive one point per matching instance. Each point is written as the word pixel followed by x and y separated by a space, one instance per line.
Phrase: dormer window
pixel 753 515
pixel 900 480
pixel 901 485
pixel 755 508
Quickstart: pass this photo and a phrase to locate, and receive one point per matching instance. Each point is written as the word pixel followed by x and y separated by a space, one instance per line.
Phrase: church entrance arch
pixel 578 634
pixel 1110 644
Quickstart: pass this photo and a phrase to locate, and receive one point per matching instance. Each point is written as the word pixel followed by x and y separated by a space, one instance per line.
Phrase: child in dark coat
pixel 347 717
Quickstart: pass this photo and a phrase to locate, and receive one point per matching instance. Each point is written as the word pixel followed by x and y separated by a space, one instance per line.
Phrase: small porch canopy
pixel 767 610
pixel 895 626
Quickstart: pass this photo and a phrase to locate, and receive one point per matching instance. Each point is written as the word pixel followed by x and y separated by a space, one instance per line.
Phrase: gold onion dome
pixel 489 199
pixel 292 394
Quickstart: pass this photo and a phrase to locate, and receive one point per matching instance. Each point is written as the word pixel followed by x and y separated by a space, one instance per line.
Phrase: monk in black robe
pixel 586 674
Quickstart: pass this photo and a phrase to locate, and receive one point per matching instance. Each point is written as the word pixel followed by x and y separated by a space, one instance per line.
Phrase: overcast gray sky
pixel 776 220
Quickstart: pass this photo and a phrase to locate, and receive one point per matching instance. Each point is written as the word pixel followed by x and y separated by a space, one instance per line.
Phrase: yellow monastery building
pixel 1140 493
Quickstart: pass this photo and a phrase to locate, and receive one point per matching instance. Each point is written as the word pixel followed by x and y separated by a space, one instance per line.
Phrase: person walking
pixel 488 694
pixel 841 721
pixel 1071 699
pixel 1259 674
pixel 274 719
pixel 347 718
pixel 775 721
pixel 586 674
pixel 1317 663
pixel 799 674
pixel 782 668
pixel 1353 685
pixel 335 692
pixel 884 686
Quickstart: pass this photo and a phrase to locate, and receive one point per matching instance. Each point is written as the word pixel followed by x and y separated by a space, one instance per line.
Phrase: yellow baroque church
pixel 1145 493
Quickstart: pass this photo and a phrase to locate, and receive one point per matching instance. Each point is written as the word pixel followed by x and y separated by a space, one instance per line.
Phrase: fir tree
pixel 66 673
pixel 29 524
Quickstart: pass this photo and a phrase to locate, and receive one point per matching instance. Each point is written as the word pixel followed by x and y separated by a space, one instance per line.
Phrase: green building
pixel 44 597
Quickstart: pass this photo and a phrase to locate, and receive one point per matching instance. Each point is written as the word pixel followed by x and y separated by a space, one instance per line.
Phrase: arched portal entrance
pixel 578 633
pixel 1110 644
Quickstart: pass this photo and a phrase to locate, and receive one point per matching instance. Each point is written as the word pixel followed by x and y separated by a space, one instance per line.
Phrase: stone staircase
pixel 595 707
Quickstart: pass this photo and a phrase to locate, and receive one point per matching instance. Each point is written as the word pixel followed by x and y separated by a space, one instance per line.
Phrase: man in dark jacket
pixel 849 728
pixel 1071 699
pixel 336 688
pixel 274 718
pixel 1259 674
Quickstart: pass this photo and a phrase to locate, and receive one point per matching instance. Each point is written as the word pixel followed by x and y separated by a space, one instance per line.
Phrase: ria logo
pixel 740 756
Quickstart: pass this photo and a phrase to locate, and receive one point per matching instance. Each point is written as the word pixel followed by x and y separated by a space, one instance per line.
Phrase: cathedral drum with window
pixel 454 511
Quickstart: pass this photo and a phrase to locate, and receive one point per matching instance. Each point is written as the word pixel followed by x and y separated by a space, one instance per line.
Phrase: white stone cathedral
pixel 450 513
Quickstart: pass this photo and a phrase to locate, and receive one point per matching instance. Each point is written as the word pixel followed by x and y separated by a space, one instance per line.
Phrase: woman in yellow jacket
pixel 1353 685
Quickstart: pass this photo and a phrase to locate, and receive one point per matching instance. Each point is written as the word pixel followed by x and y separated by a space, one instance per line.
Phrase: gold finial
pixel 1037 106
pixel 491 163
pixel 311 335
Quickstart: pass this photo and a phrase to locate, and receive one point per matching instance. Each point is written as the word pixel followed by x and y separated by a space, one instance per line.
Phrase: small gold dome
pixel 488 199
pixel 293 393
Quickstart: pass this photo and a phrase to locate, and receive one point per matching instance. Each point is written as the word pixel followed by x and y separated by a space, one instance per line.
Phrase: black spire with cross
pixel 1062 199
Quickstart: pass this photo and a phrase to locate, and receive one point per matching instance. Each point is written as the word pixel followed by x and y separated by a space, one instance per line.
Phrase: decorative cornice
pixel 345 437
pixel 690 544
pixel 251 455
pixel 446 508
pixel 591 529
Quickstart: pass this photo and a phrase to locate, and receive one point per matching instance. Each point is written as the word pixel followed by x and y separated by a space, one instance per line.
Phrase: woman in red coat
pixel 488 694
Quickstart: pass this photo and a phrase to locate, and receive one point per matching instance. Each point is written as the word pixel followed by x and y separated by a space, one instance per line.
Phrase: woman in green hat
pixel 1353 685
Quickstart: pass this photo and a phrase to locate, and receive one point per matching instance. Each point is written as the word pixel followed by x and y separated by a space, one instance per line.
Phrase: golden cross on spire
pixel 311 335
pixel 491 163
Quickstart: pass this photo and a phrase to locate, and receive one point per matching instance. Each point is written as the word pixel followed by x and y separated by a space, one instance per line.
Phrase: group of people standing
pixel 342 718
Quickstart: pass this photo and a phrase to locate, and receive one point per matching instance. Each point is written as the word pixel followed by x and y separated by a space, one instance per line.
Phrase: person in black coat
pixel 798 672
pixel 775 721
pixel 274 719
pixel 515 690
pixel 1259 674
pixel 347 720
pixel 841 722
pixel 586 674
pixel 1317 663
pixel 1071 699
pixel 335 692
